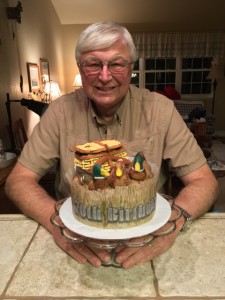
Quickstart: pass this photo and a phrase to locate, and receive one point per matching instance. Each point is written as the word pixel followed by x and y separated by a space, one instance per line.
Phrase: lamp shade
pixel 52 89
pixel 77 81
pixel 216 72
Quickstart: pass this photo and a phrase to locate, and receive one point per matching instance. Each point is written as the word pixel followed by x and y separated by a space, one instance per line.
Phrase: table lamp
pixel 77 81
pixel 51 90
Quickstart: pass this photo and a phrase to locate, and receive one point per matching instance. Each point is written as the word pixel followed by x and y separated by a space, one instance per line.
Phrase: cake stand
pixel 162 223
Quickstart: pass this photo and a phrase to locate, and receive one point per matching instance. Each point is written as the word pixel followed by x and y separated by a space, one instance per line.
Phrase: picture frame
pixel 44 70
pixel 33 77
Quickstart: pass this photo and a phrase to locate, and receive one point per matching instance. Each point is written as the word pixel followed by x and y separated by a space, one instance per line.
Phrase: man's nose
pixel 105 73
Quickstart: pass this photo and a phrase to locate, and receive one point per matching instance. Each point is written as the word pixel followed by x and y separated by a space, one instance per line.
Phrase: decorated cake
pixel 110 189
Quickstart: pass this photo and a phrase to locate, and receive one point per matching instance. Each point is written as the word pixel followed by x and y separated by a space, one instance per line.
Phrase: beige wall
pixel 70 35
pixel 40 35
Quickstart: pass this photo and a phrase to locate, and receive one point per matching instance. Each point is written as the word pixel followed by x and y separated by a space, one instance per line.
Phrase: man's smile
pixel 105 88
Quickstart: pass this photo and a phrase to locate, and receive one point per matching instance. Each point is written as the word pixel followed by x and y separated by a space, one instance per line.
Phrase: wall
pixel 70 35
pixel 38 36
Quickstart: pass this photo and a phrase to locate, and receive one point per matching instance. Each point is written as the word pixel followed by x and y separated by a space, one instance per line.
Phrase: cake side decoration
pixel 110 190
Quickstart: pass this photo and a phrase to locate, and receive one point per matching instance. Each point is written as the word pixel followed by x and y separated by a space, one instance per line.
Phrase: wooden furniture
pixel 32 266
pixel 47 182
pixel 6 205
pixel 19 134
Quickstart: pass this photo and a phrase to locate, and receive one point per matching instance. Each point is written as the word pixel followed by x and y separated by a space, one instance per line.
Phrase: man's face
pixel 106 85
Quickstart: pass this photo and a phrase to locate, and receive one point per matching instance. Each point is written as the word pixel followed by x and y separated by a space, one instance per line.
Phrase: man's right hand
pixel 23 189
pixel 79 251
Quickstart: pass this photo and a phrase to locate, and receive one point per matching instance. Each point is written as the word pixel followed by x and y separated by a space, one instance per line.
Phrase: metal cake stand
pixel 137 242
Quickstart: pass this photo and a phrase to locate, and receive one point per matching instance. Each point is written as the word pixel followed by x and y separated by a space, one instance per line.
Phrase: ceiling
pixel 194 14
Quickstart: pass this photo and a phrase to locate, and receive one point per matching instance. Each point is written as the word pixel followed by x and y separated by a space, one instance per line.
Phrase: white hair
pixel 102 35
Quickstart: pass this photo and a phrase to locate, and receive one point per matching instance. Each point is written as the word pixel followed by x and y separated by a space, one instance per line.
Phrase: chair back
pixel 19 134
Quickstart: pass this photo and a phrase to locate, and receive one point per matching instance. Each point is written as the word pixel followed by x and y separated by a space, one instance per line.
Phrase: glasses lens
pixel 95 67
pixel 117 66
pixel 92 66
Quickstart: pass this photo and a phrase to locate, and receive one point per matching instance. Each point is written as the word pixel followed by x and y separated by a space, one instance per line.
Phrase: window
pixel 187 75
pixel 194 75
pixel 160 72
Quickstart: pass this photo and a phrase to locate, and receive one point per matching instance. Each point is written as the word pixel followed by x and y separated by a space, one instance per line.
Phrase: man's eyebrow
pixel 98 59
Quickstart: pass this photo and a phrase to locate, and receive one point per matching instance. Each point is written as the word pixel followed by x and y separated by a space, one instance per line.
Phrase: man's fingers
pixel 129 257
pixel 79 251
pixel 69 249
pixel 104 255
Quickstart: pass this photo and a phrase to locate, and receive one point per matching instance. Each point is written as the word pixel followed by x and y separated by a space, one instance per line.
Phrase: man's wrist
pixel 187 217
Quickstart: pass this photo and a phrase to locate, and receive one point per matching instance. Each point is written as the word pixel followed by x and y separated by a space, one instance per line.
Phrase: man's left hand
pixel 129 257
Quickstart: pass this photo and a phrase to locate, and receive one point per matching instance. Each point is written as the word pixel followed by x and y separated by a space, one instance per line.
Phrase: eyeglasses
pixel 94 67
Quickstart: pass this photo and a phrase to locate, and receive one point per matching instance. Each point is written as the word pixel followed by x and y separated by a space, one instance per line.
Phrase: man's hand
pixel 129 257
pixel 33 201
pixel 196 197
pixel 81 252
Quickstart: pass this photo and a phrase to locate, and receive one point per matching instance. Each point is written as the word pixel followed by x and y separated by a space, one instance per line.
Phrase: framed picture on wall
pixel 33 77
pixel 44 70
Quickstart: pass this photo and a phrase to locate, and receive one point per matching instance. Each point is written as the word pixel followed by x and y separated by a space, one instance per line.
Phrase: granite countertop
pixel 33 267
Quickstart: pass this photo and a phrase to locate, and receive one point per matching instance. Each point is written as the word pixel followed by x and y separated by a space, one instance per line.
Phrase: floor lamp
pixel 214 74
pixel 214 94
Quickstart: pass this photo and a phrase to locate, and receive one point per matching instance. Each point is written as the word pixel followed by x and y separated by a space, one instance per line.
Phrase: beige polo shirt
pixel 146 121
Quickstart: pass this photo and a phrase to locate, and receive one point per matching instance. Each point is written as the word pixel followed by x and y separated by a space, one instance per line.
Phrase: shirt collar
pixel 118 113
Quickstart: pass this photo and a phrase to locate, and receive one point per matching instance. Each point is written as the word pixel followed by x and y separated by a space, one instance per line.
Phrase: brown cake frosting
pixel 109 189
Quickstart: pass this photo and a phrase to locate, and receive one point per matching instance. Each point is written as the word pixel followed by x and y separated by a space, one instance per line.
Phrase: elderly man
pixel 108 107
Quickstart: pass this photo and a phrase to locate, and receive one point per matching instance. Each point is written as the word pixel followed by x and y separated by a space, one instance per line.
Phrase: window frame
pixel 178 79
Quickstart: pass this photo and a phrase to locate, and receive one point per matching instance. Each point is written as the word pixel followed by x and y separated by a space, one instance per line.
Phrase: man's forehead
pixel 115 51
